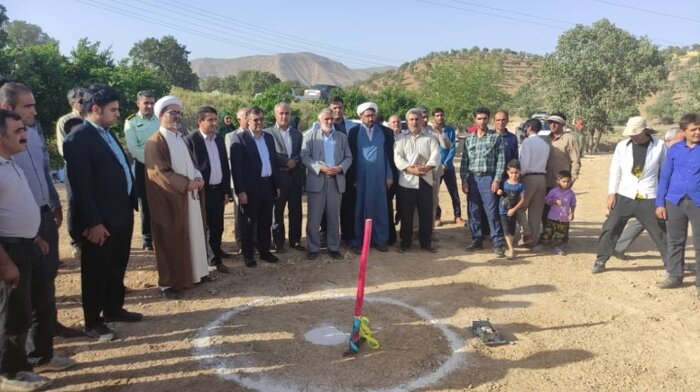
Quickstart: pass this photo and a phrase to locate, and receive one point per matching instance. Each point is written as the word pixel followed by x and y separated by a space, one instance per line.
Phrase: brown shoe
pixel 222 268
pixel 381 247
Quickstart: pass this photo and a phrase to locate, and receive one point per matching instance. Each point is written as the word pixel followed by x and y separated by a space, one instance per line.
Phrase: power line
pixel 656 13
pixel 284 36
pixel 210 29
pixel 475 11
pixel 539 17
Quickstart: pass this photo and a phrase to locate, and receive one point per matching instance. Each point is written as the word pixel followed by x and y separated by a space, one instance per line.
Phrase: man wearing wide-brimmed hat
pixel 634 175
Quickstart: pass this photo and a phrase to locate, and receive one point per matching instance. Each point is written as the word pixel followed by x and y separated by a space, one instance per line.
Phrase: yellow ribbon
pixel 366 333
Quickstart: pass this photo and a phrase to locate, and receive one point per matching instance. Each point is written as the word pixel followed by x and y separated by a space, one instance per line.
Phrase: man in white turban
pixel 174 188
pixel 370 176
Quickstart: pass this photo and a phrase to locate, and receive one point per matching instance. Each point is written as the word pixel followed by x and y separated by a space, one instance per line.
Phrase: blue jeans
pixel 479 196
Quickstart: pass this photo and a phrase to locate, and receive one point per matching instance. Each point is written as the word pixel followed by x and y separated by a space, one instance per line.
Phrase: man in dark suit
pixel 212 161
pixel 288 146
pixel 104 201
pixel 254 175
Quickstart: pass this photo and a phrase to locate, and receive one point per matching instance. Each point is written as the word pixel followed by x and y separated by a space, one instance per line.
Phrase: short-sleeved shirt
pixel 511 195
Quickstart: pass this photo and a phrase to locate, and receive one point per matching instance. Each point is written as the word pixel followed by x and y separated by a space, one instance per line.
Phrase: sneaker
pixel 499 252
pixel 671 282
pixel 336 255
pixel 598 268
pixel 510 254
pixel 25 381
pixel 101 332
pixel 559 251
pixel 75 250
pixel 56 364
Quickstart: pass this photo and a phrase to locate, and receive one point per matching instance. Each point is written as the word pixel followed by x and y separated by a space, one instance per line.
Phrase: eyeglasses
pixel 174 113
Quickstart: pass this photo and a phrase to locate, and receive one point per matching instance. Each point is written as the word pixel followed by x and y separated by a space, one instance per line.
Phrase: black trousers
pixel 16 307
pixel 626 208
pixel 450 179
pixel 347 213
pixel 421 198
pixel 290 198
pixel 44 315
pixel 102 270
pixel 256 218
pixel 140 177
pixel 214 206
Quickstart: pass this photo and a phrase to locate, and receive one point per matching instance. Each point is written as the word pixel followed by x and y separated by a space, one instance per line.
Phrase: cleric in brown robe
pixel 174 188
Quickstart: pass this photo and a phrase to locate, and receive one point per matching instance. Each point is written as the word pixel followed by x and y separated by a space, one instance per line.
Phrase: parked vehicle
pixel 318 92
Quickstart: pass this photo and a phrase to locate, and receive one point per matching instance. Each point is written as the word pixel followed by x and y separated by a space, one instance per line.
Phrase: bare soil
pixel 569 329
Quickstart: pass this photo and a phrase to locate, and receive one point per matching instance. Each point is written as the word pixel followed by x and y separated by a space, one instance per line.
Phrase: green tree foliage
pixel 21 33
pixel 395 101
pixel 3 20
pixel 688 83
pixel 88 63
pixel 251 82
pixel 280 92
pixel 526 101
pixel 169 58
pixel 664 109
pixel 352 98
pixel 210 83
pixel 460 87
pixel 600 73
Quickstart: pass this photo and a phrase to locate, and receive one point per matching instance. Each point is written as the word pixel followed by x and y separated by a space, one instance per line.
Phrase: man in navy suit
pixel 212 161
pixel 104 201
pixel 288 145
pixel 254 179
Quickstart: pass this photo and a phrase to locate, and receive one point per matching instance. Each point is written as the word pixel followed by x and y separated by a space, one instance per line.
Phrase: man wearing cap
pixel 678 200
pixel 174 188
pixel 138 128
pixel 634 174
pixel 372 148
pixel 564 152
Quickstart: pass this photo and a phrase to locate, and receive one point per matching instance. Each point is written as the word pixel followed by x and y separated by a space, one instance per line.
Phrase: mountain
pixel 306 68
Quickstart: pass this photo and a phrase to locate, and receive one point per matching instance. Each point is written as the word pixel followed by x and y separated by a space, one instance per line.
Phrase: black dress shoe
pixel 297 246
pixel 269 257
pixel 475 245
pixel 147 246
pixel 428 249
pixel 336 255
pixel 66 332
pixel 312 256
pixel 222 268
pixel 251 263
pixel 205 279
pixel 381 247
pixel 123 315
pixel 172 294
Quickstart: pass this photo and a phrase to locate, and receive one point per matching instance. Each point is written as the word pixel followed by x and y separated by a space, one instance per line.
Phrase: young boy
pixel 512 199
pixel 563 204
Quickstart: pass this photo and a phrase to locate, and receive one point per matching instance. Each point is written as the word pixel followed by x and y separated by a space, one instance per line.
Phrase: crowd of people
pixel 180 182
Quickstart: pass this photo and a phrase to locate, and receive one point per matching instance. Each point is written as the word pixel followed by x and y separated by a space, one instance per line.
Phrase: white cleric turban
pixel 366 106
pixel 164 102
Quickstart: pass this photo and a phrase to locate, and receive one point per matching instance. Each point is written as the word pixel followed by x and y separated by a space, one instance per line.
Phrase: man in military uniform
pixel 137 129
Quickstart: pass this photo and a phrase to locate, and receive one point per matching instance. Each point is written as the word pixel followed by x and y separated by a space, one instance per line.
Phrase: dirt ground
pixel 569 329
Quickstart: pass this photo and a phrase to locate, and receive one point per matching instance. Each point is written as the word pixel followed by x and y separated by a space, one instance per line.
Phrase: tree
pixel 600 74
pixel 527 100
pixel 279 92
pixel 88 64
pixel 210 83
pixel 21 33
pixel 3 20
pixel 460 87
pixel 229 85
pixel 395 101
pixel 251 82
pixel 168 57
pixel 352 98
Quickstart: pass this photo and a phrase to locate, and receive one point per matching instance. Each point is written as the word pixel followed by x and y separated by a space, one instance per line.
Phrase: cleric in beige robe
pixel 174 188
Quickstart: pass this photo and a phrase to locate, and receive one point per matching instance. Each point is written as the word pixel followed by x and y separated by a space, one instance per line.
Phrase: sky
pixel 358 33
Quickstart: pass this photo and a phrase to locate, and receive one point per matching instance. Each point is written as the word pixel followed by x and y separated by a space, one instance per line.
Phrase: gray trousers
pixel 677 226
pixel 535 191
pixel 327 201
pixel 626 208
pixel 633 230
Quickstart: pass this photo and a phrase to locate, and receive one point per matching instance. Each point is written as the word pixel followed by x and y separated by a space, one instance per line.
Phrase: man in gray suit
pixel 288 147
pixel 326 155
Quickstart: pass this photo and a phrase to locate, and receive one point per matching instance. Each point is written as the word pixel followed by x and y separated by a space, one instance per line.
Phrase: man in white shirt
pixel 534 153
pixel 416 155
pixel 634 176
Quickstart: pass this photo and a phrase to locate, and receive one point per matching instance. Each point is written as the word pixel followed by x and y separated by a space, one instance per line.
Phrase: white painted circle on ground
pixel 204 347
pixel 326 335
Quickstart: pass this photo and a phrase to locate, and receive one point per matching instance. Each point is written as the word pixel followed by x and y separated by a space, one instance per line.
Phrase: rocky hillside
pixel 306 68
